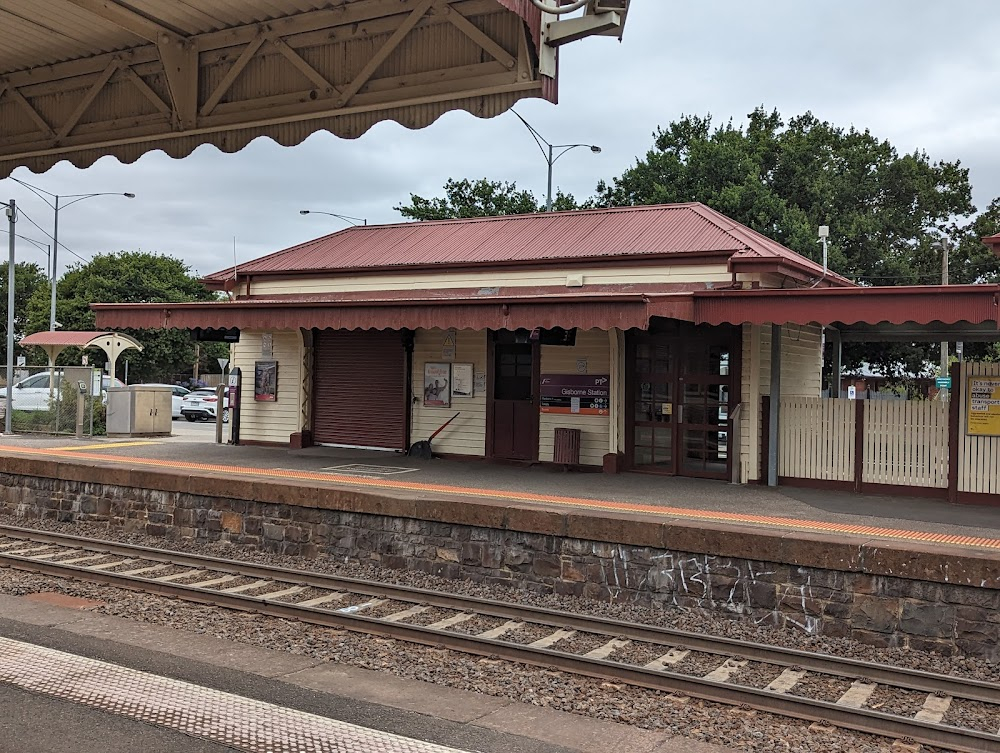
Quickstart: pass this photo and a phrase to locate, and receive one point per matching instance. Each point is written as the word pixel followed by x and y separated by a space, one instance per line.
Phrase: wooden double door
pixel 681 388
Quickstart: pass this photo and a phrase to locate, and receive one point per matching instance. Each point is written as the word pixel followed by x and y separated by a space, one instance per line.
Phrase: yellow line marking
pixel 105 446
pixel 555 500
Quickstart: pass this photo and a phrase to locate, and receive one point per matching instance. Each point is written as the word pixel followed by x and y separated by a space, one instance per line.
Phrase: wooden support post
pixel 955 406
pixel 836 361
pixel 859 444
pixel 765 412
pixel 773 442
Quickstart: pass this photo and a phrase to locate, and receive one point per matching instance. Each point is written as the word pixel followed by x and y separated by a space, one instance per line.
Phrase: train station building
pixel 641 338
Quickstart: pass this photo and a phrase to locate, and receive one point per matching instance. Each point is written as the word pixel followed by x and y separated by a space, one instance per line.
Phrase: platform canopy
pixel 80 79
pixel 53 343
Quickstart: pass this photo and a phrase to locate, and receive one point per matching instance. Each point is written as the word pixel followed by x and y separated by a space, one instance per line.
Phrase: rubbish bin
pixel 139 411
pixel 566 447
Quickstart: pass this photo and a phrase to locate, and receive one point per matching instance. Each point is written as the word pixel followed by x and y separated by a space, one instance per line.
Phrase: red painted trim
pixel 886 490
pixel 954 413
pixel 974 498
pixel 261 443
pixel 859 444
pixel 491 343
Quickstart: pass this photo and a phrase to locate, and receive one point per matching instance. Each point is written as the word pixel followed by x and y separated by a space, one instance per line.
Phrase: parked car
pixel 177 394
pixel 32 393
pixel 201 405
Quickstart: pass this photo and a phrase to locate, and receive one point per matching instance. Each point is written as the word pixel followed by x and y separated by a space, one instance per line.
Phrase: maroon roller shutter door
pixel 360 388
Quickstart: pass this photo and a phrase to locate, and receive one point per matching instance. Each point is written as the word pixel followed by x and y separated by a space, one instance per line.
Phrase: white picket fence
pixel 978 456
pixel 904 443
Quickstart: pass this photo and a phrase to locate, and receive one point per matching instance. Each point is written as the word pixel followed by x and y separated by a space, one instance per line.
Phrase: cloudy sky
pixel 922 73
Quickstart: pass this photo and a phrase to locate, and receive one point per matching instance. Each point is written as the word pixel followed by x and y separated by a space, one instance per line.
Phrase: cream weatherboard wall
pixel 801 376
pixel 594 348
pixel 466 435
pixel 267 421
pixel 530 277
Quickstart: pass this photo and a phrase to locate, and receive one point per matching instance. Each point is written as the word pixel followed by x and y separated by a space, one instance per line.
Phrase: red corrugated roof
pixel 664 230
pixel 61 338
pixel 993 242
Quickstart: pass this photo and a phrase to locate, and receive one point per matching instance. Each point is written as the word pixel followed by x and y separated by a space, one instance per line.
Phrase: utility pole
pixel 943 245
pixel 9 411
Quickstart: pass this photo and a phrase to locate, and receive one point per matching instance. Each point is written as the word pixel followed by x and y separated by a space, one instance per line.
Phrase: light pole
pixel 549 152
pixel 942 245
pixel 9 410
pixel 55 206
pixel 344 217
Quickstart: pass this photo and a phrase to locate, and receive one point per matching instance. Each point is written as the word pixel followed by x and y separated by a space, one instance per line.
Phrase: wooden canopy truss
pixel 83 78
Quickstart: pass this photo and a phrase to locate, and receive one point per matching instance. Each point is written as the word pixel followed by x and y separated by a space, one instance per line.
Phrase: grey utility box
pixel 139 411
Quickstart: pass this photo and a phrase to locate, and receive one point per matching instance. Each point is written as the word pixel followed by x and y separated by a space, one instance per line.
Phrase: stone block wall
pixel 879 593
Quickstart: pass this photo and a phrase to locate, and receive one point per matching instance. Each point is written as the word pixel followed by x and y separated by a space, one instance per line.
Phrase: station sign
pixel 983 407
pixel 583 394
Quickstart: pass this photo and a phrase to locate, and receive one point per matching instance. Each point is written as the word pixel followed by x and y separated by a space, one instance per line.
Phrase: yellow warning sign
pixel 983 416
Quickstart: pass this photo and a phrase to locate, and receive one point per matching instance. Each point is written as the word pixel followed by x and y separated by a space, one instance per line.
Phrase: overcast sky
pixel 922 73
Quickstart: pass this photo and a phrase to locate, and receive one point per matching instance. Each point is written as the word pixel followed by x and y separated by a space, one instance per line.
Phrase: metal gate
pixel 359 389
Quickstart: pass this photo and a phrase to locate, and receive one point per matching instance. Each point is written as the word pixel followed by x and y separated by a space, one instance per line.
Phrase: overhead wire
pixel 49 236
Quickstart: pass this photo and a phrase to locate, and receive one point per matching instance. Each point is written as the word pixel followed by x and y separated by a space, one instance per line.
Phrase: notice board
pixel 983 407
pixel 584 394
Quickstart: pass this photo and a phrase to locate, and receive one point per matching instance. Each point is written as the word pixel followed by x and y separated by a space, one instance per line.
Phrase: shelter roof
pixel 993 242
pixel 80 79
pixel 62 337
pixel 672 231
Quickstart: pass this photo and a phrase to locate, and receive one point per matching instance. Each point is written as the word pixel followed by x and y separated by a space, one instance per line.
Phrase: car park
pixel 202 405
pixel 33 394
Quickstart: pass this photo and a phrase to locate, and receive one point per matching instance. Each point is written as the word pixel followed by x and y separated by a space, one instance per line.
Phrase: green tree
pixel 29 280
pixel 483 198
pixel 128 277
pixel 883 208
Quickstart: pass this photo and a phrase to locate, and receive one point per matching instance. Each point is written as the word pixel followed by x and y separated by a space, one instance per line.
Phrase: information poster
pixel 265 381
pixel 586 395
pixel 983 417
pixel 462 384
pixel 437 385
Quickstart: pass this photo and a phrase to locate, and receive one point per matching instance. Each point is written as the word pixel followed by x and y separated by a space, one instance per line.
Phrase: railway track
pixel 755 676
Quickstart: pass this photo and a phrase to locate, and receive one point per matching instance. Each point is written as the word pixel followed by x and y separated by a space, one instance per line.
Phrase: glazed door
pixel 515 415
pixel 652 404
pixel 678 397
pixel 705 389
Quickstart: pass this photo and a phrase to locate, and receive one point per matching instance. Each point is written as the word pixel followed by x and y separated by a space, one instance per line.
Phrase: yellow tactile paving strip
pixel 818 526
pixel 106 446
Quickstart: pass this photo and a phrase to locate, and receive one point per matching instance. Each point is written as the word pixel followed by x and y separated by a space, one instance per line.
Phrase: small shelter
pixel 53 343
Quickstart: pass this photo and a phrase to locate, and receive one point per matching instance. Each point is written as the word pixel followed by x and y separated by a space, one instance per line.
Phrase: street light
pixel 55 206
pixel 942 246
pixel 344 217
pixel 548 151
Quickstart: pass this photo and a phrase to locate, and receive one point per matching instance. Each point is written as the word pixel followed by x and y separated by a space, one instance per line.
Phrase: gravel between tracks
pixel 644 708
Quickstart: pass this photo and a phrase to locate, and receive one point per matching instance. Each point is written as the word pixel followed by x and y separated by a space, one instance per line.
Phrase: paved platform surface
pixel 659 497
pixel 232 696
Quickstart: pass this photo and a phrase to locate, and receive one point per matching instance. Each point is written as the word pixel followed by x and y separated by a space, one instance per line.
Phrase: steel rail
pixel 911 679
pixel 864 720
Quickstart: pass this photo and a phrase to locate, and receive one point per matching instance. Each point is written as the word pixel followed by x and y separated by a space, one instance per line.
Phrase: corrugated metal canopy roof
pixel 80 79
pixel 666 230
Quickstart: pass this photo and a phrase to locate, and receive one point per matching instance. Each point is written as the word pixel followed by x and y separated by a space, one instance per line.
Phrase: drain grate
pixel 362 469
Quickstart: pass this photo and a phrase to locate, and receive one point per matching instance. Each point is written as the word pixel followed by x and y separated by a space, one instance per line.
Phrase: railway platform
pixel 890 572
pixel 215 694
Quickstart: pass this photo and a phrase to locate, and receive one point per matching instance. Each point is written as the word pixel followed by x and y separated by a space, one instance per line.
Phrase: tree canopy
pixel 128 277
pixel 29 281
pixel 465 199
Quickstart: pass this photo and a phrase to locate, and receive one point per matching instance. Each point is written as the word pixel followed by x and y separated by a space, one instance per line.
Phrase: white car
pixel 201 405
pixel 32 393
pixel 177 394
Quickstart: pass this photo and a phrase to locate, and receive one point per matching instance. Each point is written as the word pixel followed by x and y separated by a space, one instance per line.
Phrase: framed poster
pixel 265 381
pixel 437 385
pixel 983 407
pixel 462 384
